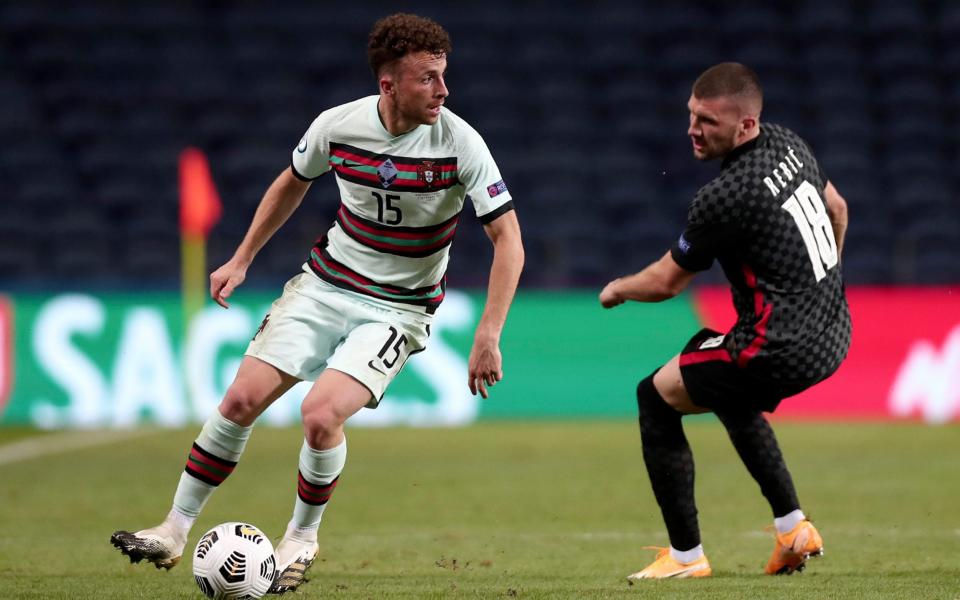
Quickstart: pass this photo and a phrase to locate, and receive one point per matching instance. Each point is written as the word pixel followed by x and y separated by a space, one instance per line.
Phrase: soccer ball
pixel 234 561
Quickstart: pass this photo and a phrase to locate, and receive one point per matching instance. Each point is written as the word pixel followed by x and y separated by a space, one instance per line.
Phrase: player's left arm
pixel 486 364
pixel 837 209
pixel 660 281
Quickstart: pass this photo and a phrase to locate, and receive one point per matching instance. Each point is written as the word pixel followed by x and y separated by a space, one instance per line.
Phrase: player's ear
pixel 387 86
pixel 748 125
pixel 387 80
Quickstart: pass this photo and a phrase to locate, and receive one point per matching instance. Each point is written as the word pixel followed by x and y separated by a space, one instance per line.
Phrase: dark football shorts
pixel 716 382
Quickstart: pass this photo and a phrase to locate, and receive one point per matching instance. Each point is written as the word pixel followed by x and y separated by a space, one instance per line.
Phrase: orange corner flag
pixel 200 206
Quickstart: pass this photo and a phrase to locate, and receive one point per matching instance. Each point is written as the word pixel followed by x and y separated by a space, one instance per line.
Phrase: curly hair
pixel 395 36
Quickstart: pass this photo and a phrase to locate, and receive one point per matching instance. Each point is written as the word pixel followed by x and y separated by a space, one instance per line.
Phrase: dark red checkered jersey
pixel 764 218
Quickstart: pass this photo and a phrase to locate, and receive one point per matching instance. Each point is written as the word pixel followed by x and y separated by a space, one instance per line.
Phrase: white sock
pixel 319 470
pixel 212 458
pixel 687 556
pixel 787 522
pixel 180 522
pixel 301 534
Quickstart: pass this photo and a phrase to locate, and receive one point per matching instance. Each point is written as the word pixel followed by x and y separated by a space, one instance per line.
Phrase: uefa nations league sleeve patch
pixel 495 189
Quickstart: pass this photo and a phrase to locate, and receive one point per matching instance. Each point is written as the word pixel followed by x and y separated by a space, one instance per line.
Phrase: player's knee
pixel 647 393
pixel 320 420
pixel 240 405
pixel 650 403
pixel 743 421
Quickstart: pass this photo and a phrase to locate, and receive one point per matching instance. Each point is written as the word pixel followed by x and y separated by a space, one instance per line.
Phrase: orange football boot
pixel 666 566
pixel 792 549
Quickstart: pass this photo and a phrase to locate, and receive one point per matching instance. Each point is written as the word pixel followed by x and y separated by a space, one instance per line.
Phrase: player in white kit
pixel 404 165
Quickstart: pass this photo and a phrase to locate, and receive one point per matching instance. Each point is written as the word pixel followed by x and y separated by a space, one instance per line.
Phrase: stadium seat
pixel 823 20
pixel 888 19
pixel 935 267
pixel 947 20
pixel 101 97
pixel 832 60
pixel 767 57
pixel 82 259
pixel 918 94
pixel 910 131
pixel 918 198
pixel 900 58
pixel 845 128
pixel 683 21
pixel 753 21
pixel 683 58
pixel 916 164
pixel 867 268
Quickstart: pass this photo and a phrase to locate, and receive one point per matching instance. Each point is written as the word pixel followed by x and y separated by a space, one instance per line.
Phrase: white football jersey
pixel 400 199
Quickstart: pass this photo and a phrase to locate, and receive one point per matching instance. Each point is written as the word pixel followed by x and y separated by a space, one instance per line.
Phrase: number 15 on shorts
pixel 391 351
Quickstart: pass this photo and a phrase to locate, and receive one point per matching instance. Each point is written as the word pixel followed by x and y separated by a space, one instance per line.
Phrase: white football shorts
pixel 314 325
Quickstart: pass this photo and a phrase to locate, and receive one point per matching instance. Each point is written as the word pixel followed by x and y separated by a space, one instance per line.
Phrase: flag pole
pixel 200 210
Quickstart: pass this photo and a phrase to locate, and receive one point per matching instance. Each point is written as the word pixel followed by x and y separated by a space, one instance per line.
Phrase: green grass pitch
pixel 502 510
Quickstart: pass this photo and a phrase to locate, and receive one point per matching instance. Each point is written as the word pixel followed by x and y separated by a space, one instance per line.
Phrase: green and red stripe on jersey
pixel 315 494
pixel 342 276
pixel 412 174
pixel 403 241
pixel 207 467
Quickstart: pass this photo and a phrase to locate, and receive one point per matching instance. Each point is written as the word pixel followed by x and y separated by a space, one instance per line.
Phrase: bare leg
pixel 255 387
pixel 211 460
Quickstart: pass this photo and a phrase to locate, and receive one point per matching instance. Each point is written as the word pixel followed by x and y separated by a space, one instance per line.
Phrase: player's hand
pixel 485 367
pixel 609 297
pixel 224 280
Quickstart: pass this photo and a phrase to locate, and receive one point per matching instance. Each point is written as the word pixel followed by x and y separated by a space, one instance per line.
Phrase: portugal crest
pixel 427 173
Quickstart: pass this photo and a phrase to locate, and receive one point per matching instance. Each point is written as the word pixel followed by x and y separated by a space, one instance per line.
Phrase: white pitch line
pixel 57 443
pixel 515 535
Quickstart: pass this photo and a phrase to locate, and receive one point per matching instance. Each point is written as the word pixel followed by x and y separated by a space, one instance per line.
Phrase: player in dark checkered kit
pixel 775 224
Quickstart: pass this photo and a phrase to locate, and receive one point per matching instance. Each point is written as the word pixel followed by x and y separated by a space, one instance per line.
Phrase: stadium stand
pixel 583 106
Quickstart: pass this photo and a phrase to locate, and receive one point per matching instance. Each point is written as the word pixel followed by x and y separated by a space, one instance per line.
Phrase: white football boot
pixel 162 545
pixel 294 557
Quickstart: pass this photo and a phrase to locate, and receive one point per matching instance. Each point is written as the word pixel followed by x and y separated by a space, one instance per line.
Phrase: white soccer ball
pixel 234 561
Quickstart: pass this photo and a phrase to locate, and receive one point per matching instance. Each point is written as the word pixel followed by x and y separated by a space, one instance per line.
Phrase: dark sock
pixel 757 446
pixel 669 464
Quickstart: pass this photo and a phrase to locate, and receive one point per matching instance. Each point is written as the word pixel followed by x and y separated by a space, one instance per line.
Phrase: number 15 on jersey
pixel 808 211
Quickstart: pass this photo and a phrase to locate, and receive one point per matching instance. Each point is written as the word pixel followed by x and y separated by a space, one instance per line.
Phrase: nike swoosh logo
pixel 370 364
pixel 351 165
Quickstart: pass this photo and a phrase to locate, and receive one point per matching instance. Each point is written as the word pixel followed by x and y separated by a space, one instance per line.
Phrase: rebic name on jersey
pixel 401 198
pixel 765 220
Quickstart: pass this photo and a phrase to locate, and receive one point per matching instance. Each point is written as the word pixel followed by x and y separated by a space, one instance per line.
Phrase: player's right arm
pixel 709 231
pixel 660 281
pixel 308 161
pixel 280 200
pixel 837 209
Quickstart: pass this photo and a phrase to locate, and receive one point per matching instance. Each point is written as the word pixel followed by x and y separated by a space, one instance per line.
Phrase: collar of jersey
pixel 378 123
pixel 743 149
